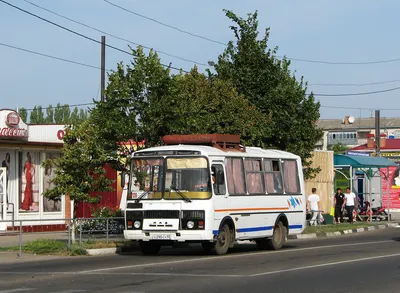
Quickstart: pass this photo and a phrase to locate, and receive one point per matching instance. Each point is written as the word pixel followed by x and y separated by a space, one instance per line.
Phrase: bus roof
pixel 212 151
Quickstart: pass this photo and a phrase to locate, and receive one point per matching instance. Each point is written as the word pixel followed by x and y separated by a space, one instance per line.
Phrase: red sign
pixel 13 132
pixel 12 119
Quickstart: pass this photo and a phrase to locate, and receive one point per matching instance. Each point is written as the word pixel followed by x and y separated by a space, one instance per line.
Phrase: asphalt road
pixel 364 262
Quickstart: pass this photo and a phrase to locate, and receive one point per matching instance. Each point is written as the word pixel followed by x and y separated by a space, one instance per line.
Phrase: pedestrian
pixel 313 205
pixel 339 201
pixel 349 203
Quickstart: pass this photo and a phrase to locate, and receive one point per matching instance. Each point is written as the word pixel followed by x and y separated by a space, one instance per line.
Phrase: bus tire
pixel 149 248
pixel 223 243
pixel 278 237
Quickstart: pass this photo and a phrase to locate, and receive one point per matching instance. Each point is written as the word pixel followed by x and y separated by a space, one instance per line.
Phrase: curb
pixel 344 232
pixel 106 251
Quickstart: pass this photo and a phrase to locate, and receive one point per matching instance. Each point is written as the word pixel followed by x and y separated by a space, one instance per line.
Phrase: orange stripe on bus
pixel 252 209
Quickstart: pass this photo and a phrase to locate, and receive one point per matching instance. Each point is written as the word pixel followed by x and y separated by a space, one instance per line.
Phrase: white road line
pixel 69 291
pixel 17 290
pixel 324 265
pixel 284 250
pixel 119 274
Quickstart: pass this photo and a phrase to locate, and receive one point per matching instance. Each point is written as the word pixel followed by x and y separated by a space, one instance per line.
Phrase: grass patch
pixel 56 247
pixel 338 227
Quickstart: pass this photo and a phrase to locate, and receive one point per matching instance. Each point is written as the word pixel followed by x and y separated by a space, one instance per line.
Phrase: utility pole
pixel 103 66
pixel 378 133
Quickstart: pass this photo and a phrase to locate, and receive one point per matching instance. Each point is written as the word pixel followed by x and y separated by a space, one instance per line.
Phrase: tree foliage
pixel 81 166
pixel 267 82
pixel 61 114
pixel 145 102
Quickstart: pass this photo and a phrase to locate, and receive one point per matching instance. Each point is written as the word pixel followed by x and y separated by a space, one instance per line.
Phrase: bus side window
pixel 218 179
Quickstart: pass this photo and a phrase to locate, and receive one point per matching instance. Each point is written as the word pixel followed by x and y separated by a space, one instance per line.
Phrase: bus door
pixel 220 197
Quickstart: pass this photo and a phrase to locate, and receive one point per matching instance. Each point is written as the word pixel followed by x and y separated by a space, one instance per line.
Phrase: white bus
pixel 209 189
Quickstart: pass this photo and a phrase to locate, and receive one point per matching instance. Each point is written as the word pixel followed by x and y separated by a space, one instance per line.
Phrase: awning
pixel 362 161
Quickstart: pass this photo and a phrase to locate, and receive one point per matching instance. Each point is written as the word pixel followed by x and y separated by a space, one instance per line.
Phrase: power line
pixel 164 24
pixel 357 94
pixel 224 44
pixel 358 108
pixel 69 106
pixel 77 33
pixel 50 56
pixel 114 36
pixel 354 84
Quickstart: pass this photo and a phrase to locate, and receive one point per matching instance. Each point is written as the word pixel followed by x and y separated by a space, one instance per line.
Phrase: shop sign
pixel 12 130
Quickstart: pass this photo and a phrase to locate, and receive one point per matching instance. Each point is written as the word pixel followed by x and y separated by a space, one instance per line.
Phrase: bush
pixel 99 225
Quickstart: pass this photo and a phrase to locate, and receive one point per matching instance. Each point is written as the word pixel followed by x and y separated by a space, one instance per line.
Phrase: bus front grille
pixel 160 214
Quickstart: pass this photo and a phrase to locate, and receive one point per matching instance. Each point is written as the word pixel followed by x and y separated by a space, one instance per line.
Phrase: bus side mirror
pixel 123 179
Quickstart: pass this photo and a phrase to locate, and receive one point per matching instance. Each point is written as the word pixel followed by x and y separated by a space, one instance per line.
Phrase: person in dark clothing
pixel 339 200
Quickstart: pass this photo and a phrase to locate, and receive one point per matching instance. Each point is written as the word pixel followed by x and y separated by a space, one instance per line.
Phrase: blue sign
pixel 353 153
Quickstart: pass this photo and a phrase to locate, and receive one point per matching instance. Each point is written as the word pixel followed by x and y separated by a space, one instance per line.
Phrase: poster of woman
pixel 48 204
pixel 29 174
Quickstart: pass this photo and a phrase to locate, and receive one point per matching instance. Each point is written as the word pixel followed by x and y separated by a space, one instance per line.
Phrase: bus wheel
pixel 223 242
pixel 278 237
pixel 149 248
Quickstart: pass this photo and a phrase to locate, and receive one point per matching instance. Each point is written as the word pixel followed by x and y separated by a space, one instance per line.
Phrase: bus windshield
pixel 171 178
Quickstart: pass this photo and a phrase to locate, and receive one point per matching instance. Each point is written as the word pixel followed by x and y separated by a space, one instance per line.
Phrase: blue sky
pixel 336 31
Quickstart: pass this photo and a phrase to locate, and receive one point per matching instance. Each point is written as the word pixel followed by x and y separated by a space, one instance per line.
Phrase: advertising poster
pixel 394 188
pixel 7 160
pixel 50 206
pixel 29 169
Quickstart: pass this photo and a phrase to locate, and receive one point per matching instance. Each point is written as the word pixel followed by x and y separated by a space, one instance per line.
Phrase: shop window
pixel 49 205
pixel 29 171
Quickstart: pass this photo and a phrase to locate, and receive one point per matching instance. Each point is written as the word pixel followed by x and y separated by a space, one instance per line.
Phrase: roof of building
pixel 359 123
pixel 391 144
pixel 362 162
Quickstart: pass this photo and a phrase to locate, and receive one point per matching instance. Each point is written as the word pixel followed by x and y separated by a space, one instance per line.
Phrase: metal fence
pixel 76 231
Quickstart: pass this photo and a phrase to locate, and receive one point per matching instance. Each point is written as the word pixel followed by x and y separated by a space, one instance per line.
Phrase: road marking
pixel 231 256
pixel 17 290
pixel 324 265
pixel 69 291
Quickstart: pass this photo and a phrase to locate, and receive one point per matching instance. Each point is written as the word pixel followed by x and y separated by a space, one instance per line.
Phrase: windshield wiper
pixel 143 195
pixel 181 194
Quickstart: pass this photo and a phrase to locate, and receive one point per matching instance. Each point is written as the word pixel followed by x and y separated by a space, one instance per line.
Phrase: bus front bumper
pixel 175 236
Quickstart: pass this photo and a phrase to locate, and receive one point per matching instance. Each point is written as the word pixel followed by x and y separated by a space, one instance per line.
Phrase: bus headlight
pixel 136 224
pixel 190 224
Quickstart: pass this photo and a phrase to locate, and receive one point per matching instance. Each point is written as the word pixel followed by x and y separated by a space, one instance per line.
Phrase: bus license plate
pixel 162 237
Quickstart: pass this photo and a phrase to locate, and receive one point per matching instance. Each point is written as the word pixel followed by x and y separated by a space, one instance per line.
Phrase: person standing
pixel 349 202
pixel 313 206
pixel 339 201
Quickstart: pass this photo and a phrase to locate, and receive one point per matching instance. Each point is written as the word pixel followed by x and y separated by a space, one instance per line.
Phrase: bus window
pixel 218 179
pixel 235 176
pixel 273 176
pixel 254 176
pixel 290 176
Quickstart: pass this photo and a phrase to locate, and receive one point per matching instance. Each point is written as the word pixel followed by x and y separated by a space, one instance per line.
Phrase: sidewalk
pixel 12 238
pixel 12 257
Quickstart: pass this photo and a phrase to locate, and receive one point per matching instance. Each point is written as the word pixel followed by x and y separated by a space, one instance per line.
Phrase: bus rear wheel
pixel 223 243
pixel 149 248
pixel 278 237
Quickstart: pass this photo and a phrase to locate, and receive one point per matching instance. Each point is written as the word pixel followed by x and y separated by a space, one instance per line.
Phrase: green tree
pixel 74 118
pixel 49 115
pixel 201 105
pixel 80 169
pixel 127 112
pixel 268 83
pixel 23 113
pixel 58 114
pixel 338 148
pixel 37 116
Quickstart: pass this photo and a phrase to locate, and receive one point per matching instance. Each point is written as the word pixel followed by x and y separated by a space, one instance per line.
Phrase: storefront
pixel 23 149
